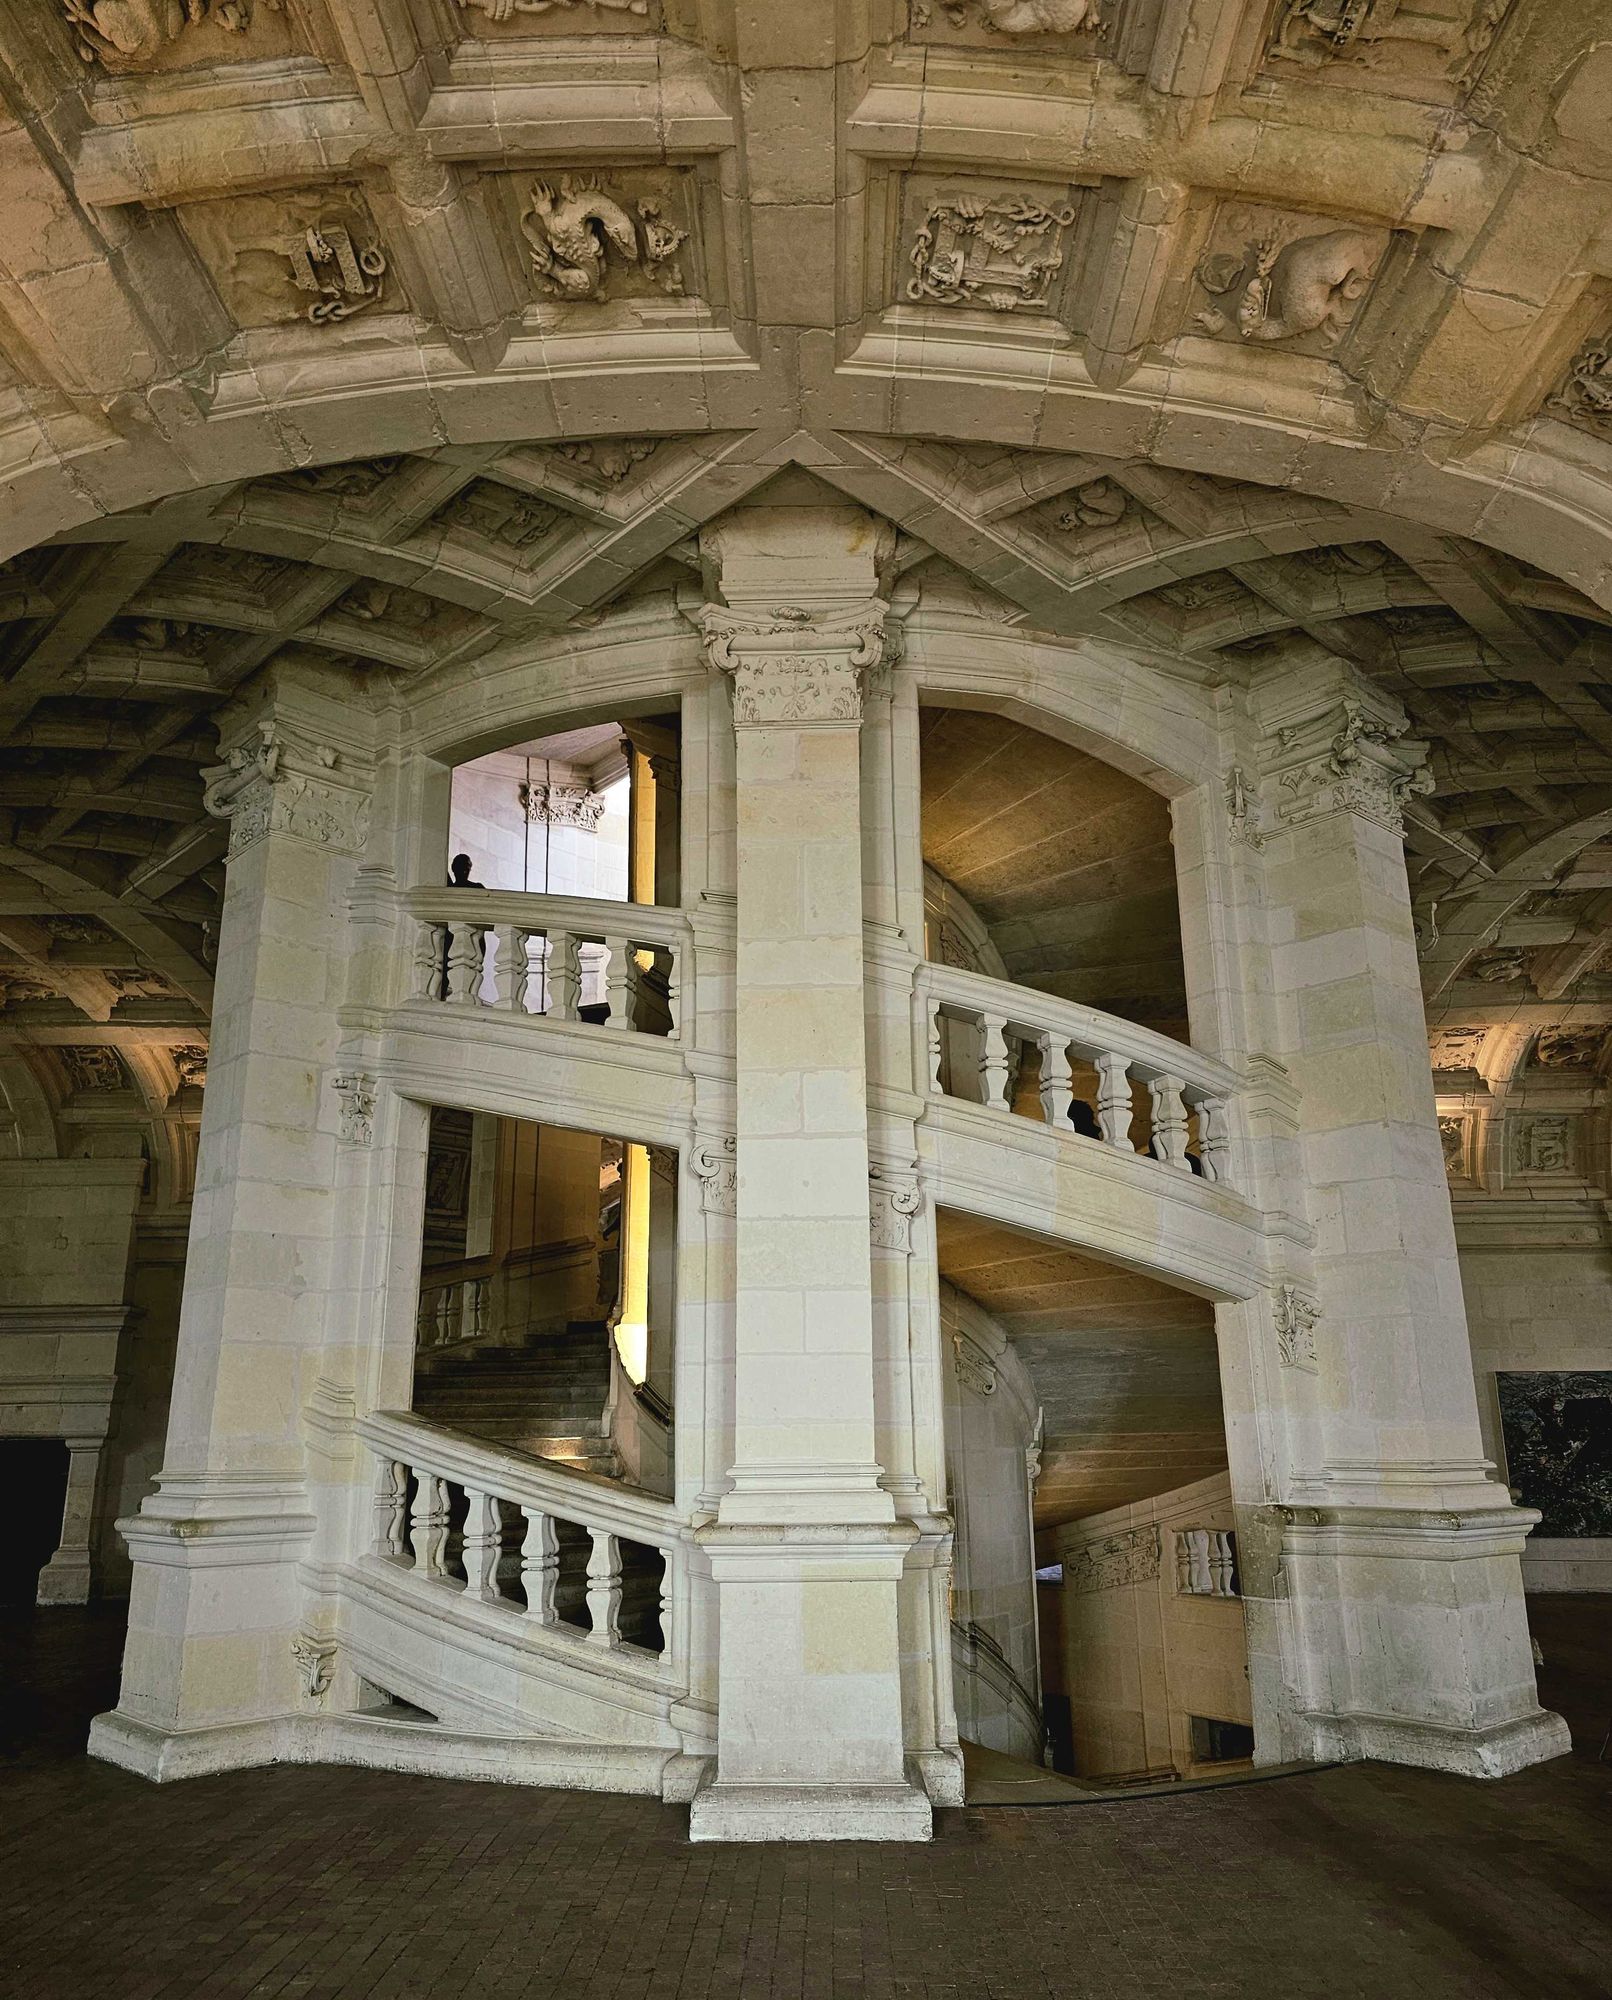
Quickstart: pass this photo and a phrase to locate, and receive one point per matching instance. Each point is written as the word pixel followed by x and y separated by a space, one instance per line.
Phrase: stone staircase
pixel 546 1394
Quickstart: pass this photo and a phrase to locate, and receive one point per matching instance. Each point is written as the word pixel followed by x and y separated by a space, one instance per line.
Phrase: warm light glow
pixel 632 1328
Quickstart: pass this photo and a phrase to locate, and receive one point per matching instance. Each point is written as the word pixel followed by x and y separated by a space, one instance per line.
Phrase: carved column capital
pixel 276 782
pixel 796 665
pixel 1347 755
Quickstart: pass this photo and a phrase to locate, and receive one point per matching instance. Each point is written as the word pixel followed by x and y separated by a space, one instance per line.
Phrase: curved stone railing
pixel 567 958
pixel 1098 1077
pixel 563 1554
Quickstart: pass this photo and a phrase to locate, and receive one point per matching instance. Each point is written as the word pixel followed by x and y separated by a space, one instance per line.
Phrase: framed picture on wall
pixel 1558 1432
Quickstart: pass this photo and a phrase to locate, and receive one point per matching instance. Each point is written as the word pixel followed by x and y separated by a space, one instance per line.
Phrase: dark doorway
pixel 33 1490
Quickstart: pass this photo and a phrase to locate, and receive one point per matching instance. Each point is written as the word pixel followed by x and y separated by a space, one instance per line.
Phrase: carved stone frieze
pixel 1100 503
pixel 501 514
pixel 343 277
pixel 580 236
pixel 356 1091
pixel 715 1165
pixel 1268 281
pixel 268 785
pixel 1002 250
pixel 1295 1315
pixel 1113 1562
pixel 892 1204
pixel 563 805
pixel 792 666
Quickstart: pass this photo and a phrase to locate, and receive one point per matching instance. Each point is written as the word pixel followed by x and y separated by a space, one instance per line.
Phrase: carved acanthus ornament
pixel 269 785
pixel 563 805
pixel 715 1164
pixel 1001 251
pixel 797 666
pixel 316 1661
pixel 357 1094
pixel 892 1204
pixel 571 229
pixel 1348 760
pixel 1117 1560
pixel 1295 1315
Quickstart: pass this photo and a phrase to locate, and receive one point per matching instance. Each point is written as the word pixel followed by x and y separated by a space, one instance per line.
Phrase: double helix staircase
pixel 544 1392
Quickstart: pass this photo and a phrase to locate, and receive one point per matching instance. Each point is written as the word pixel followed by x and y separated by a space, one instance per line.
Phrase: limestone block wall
pixel 1538 1282
pixel 1140 1657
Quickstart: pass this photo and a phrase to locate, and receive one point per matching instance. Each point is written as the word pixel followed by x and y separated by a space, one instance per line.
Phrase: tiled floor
pixel 1366 1881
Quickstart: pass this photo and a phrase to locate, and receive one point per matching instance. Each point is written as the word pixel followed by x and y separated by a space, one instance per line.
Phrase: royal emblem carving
pixel 1316 32
pixel 506 10
pixel 1457 1048
pixel 343 277
pixel 1311 285
pixel 1568 1048
pixel 571 229
pixel 1113 1562
pixel 1002 251
pixel 357 1094
pixel 1243 809
pixel 1543 1144
pixel 1011 17
pixel 1295 1315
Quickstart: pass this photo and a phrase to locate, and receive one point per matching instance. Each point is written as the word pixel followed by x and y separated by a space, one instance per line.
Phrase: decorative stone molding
pixel 1033 1450
pixel 571 229
pixel 344 277
pixel 892 1205
pixel 1281 292
pixel 1452 1133
pixel 269 785
pixel 715 1164
pixel 143 28
pixel 1011 17
pixel 1100 503
pixel 1316 32
pixel 1456 1048
pixel 975 1368
pixel 1568 1048
pixel 563 805
pixel 1348 760
pixel 504 10
pixel 1113 1562
pixel 357 1093
pixel 1585 397
pixel 791 666
pixel 518 520
pixel 316 1661
pixel 1002 251
pixel 1295 1314
pixel 1243 809
pixel 190 1065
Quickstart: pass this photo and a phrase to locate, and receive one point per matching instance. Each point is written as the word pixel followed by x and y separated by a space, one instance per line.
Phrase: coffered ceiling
pixel 395 328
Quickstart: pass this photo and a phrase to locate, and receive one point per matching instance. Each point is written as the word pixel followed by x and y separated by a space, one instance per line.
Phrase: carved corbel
pixel 714 1161
pixel 892 1204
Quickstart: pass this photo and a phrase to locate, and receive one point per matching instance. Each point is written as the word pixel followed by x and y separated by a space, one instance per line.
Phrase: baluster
pixel 666 1653
pixel 1220 1563
pixel 540 1567
pixel 1214 1141
pixel 621 979
pixel 604 1589
pixel 1056 1095
pixel 994 1063
pixel 464 963
pixel 1114 1100
pixel 465 1317
pixel 428 1524
pixel 480 1550
pixel 391 1506
pixel 510 971
pixel 1169 1121
pixel 478 1307
pixel 564 976
pixel 937 1049
pixel 428 945
pixel 423 1319
pixel 445 1316
pixel 674 989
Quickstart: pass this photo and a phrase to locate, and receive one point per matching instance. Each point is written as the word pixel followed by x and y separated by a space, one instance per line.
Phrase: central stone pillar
pixel 806 1549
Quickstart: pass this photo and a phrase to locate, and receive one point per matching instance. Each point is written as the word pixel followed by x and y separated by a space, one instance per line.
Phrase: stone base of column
pixel 1408 1638
pixel 66 1579
pixel 810 1812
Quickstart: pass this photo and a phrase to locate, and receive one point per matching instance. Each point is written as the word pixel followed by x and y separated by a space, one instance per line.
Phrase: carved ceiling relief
pixel 1543 1144
pixel 996 249
pixel 1071 26
pixel 1271 278
pixel 1443 42
pixel 1585 396
pixel 596 237
pixel 138 35
pixel 563 17
pixel 279 259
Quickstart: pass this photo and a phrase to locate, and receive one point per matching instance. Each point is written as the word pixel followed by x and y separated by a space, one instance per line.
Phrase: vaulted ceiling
pixel 1222 329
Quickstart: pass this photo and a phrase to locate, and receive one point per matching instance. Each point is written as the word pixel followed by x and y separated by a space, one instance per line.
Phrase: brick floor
pixel 1365 1881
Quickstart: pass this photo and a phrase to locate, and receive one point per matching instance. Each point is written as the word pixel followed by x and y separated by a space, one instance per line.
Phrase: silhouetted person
pixel 459 873
pixel 1084 1119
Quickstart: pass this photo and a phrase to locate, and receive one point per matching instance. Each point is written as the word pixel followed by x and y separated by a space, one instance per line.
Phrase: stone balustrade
pixel 566 958
pixel 1095 1076
pixel 575 1559
pixel 454 1306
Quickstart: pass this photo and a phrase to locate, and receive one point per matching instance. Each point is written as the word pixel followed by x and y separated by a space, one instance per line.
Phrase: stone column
pixel 1400 1552
pixel 67 1577
pixel 215 1603
pixel 806 1548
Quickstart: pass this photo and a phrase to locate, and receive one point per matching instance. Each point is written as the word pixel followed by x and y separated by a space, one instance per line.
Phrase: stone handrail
pixel 481 1298
pixel 525 954
pixel 514 1507
pixel 1184 1088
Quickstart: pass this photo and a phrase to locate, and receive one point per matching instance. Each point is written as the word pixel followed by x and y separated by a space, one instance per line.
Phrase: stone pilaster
pixel 1407 1637
pixel 806 1549
pixel 215 1600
